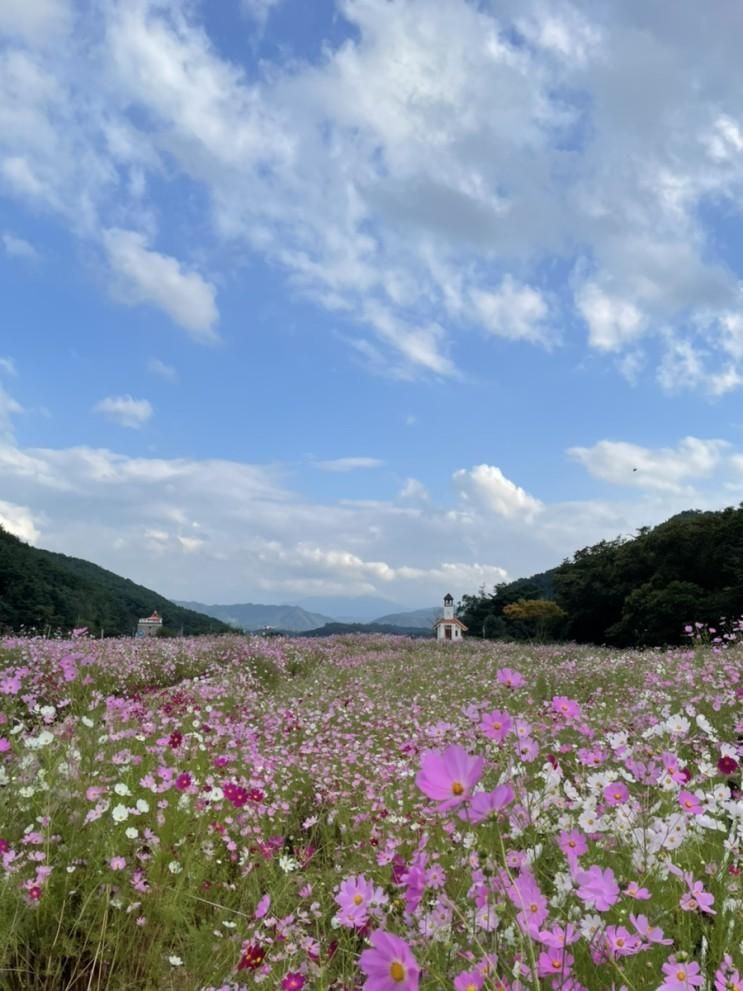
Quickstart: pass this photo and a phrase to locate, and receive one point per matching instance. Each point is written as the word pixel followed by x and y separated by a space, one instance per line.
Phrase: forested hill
pixel 43 590
pixel 638 591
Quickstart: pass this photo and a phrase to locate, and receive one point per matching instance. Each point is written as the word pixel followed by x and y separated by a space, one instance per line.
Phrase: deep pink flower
pixel 449 777
pixel 597 888
pixel 390 965
pixel 616 793
pixel 183 781
pixel 252 957
pixel 292 982
pixel 727 765
pixel 4 745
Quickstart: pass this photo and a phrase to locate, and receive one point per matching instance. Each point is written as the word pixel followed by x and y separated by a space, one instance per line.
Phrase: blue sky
pixel 365 297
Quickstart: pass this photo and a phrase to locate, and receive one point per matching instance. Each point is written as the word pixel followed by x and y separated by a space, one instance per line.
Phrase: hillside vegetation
pixel 640 591
pixel 43 590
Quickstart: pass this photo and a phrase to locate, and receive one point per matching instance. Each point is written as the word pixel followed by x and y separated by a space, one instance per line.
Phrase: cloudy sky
pixel 365 297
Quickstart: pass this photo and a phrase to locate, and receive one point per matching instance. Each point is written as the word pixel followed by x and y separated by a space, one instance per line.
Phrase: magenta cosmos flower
pixel 449 776
pixel 616 793
pixel 390 966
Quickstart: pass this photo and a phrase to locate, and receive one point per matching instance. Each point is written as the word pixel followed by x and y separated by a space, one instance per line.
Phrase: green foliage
pixel 43 591
pixel 539 619
pixel 638 591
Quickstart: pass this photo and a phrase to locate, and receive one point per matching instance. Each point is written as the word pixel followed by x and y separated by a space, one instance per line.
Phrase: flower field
pixel 369 812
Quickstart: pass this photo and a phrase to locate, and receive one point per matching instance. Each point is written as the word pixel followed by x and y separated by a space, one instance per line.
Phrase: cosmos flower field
pixel 369 812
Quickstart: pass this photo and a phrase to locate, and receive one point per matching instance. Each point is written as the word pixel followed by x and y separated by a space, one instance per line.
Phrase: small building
pixel 449 627
pixel 150 626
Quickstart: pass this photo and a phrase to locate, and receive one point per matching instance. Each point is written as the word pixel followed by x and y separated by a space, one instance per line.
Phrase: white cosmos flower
pixel 121 789
pixel 120 813
pixel 175 961
pixel 174 867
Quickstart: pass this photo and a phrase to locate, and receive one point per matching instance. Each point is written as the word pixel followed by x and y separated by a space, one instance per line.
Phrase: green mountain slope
pixel 419 619
pixel 640 591
pixel 43 590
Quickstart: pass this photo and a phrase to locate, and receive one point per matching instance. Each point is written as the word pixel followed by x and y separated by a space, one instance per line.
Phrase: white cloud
pixel 16 247
pixel 125 410
pixel 260 10
pixel 145 276
pixel 513 311
pixel 489 487
pixel 446 167
pixel 34 20
pixel 613 323
pixel 7 365
pixel 19 521
pixel 157 367
pixel 348 464
pixel 414 490
pixel 9 407
pixel 662 469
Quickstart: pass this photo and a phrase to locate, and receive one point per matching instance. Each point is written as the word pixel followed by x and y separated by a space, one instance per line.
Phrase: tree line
pixel 631 591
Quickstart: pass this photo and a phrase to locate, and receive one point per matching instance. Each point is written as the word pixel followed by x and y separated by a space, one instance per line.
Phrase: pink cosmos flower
pixel 496 725
pixel 4 745
pixel 681 976
pixel 634 890
pixel 526 896
pixel 485 803
pixel 510 678
pixel 469 980
pixel 390 965
pixel 355 896
pixel 690 803
pixel 551 963
pixel 262 907
pixel 449 777
pixel 183 781
pixel 566 707
pixel 117 863
pixel 696 898
pixel 597 888
pixel 651 934
pixel 573 845
pixel 619 942
pixel 527 749
pixel 557 937
pixel 616 793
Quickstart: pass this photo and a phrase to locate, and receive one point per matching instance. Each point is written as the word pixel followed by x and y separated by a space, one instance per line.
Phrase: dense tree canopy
pixel 46 591
pixel 638 591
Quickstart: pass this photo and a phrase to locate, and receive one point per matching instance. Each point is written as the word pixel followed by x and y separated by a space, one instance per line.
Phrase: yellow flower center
pixel 556 964
pixel 470 987
pixel 397 971
pixel 495 726
pixel 533 907
pixel 358 899
pixel 680 975
pixel 457 788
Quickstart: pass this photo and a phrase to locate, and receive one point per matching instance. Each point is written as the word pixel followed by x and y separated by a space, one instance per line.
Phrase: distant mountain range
pixel 250 616
pixel 296 619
